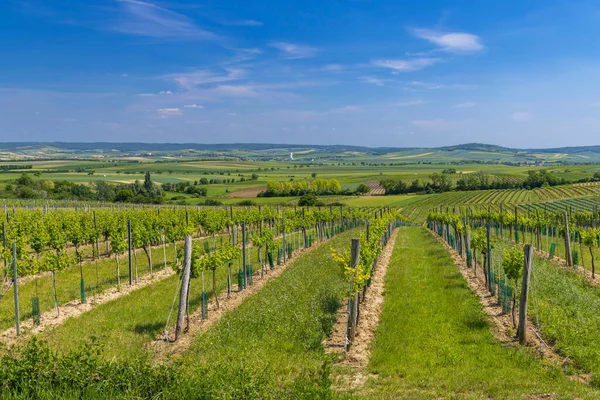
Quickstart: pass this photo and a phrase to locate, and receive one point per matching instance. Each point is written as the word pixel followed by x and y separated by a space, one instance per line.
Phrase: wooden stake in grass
pixel 183 294
pixel 528 265
pixel 568 255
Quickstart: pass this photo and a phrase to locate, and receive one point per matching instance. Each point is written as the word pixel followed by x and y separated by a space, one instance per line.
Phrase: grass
pixel 68 283
pixel 278 332
pixel 434 340
pixel 125 325
pixel 566 305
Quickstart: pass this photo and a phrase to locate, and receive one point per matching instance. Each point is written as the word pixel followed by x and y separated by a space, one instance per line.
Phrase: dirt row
pixel 357 358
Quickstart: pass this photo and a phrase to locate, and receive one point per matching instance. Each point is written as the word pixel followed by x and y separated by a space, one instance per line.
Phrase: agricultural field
pixel 260 297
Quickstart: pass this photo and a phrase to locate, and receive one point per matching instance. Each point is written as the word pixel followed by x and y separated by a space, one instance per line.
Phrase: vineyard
pixel 308 297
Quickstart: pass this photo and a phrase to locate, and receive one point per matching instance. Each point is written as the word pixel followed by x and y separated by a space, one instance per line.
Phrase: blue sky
pixel 357 72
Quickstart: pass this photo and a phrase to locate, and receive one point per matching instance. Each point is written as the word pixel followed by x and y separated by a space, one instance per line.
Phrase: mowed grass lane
pixel 270 347
pixel 123 326
pixel 434 340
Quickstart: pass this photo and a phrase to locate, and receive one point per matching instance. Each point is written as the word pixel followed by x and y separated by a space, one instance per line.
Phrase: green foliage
pixel 513 263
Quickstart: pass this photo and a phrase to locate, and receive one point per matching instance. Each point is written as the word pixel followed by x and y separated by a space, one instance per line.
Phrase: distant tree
pixel 308 200
pixel 124 195
pixel 362 189
pixel 314 175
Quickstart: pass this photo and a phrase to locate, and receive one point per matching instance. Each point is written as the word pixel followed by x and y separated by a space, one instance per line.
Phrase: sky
pixel 356 72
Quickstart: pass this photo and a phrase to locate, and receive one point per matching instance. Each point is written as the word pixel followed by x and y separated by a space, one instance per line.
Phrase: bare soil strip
pixel 358 355
pixel 163 349
pixel 501 324
pixel 75 308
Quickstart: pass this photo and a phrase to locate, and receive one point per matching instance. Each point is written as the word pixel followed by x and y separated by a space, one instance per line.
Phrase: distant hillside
pixel 569 150
pixel 479 147
pixel 266 147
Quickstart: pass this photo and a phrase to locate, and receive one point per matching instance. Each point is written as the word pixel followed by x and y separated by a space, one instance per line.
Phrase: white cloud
pixel 244 22
pixel 294 51
pixel 235 91
pixel 410 103
pixel 169 112
pixel 374 81
pixel 146 19
pixel 522 116
pixel 454 42
pixel 408 65
pixel 191 79
pixel 146 94
pixel 165 92
pixel 467 104
pixel 433 86
pixel 192 106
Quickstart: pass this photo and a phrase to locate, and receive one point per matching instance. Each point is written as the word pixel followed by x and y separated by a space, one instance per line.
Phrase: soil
pixel 75 308
pixel 248 192
pixel 357 357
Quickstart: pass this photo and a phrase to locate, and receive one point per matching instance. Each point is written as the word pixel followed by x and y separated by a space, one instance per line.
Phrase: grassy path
pixel 434 341
pixel 271 345
pixel 124 326
pixel 566 305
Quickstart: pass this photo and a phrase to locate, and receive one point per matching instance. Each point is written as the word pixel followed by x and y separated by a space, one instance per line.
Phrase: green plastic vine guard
pixel 271 263
pixel 82 290
pixel 493 283
pixel 35 310
pixel 575 258
pixel 240 280
pixel 206 248
pixel 204 305
pixel 469 258
pixel 552 250
pixel 250 273
pixel 279 256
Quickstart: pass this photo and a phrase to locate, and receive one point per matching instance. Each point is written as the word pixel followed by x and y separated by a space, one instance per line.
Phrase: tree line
pixel 439 183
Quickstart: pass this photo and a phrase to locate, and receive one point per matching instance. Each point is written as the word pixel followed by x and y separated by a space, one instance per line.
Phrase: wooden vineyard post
pixel 522 330
pixel 129 247
pixel 488 257
pixel 568 255
pixel 244 253
pixel 352 298
pixel 16 286
pixel 184 291
pixel 284 241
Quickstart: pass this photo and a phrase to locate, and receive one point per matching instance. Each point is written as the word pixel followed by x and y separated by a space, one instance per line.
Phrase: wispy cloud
pixel 435 125
pixel 241 22
pixel 146 19
pixel 433 86
pixel 292 51
pixel 374 81
pixel 407 65
pixel 522 116
pixel 468 104
pixel 453 42
pixel 189 80
pixel 192 106
pixel 169 112
pixel 410 103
